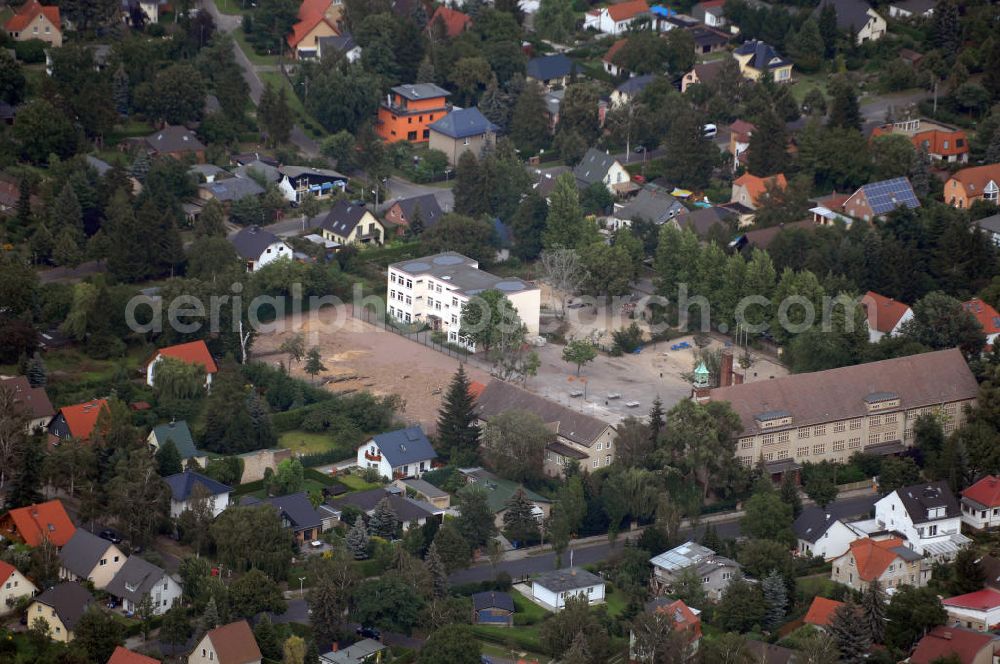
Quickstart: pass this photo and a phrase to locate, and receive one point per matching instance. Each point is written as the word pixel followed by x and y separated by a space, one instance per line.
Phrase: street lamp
pixel 301 581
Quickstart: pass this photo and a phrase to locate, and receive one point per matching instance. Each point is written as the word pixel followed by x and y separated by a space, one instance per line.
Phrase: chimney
pixel 335 647
pixel 701 394
pixel 726 369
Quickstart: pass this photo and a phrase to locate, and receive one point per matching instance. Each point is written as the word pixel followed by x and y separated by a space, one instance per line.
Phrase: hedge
pixel 249 487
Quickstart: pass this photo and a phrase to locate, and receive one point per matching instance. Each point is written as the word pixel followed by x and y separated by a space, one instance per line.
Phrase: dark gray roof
pixel 430 209
pixel 547 67
pixel 339 43
pixel 208 170
pixel 233 189
pixel 99 165
pixel 420 91
pixel 295 508
pixel 851 14
pixel 705 36
pixel 500 397
pixel 991 224
pixel 462 123
pixel 915 6
pixel 343 217
pixel 82 552
pixel 174 138
pixel 461 271
pixel 251 242
pixel 405 446
pixel 69 600
pixel 593 167
pixel 654 206
pixel 906 553
pixel 297 171
pixel 636 84
pixel 406 509
pixel 567 580
pixel 768 653
pixel 180 434
pixel 702 220
pixel 493 600
pixel 182 484
pixel 814 521
pixel 763 53
pixel 918 498
pixel 263 169
pixel 135 579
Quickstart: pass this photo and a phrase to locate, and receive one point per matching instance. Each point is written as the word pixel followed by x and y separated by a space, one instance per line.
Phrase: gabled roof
pixel 567 580
pixel 654 206
pixel 43 521
pixel 547 67
pixel 990 224
pixel 338 43
pixel 974 180
pixel 343 217
pixel 943 641
pixel 810 525
pixel 135 579
pixel 6 570
pixel 493 600
pixel 684 619
pixel 706 36
pixel 851 14
pixel 594 166
pixel 873 557
pixel 69 600
pixel 183 484
pixel 123 655
pixel 980 600
pixel 179 433
pixel 356 653
pixel 174 138
pixel 636 84
pixel 612 52
pixel 405 509
pixel 82 417
pixel 268 172
pixel 82 552
pixel 987 316
pixel 702 220
pixel 821 611
pixel 454 21
pixel 233 189
pixel 420 91
pixel 985 492
pixel 763 237
pixel 627 10
pixel 192 352
pixel 462 123
pixel 708 71
pixel 26 14
pixel 405 446
pixel 757 186
pixel 500 491
pixel 886 195
pixel 295 507
pixel 234 643
pixel 430 209
pixel 690 554
pixel 762 55
pixel 34 400
pixel 917 499
pixel 253 241
pixel 884 313
pixel 311 13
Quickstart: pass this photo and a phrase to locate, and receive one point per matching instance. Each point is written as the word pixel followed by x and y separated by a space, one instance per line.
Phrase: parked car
pixel 369 633
pixel 710 131
pixel 112 536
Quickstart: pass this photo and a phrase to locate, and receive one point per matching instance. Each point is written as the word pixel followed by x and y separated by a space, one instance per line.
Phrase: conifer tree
pixel 437 571
pixel 458 433
pixel 26 479
pixel 211 221
pixel 657 419
pixel 768 152
pixel 23 215
pixel 850 630
pixel 873 606
pixel 121 90
pixel 210 617
pixel 565 225
pixel 518 521
pixel 36 372
pixel 845 112
pixel 383 522
pixel 920 176
pixel 790 493
pixel 776 598
pixel 357 539
pixel 66 252
pixel 267 639
pixel 529 124
pixel 168 459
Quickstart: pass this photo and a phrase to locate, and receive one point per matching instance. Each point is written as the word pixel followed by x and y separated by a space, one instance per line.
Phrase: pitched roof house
pixel 550 70
pixel 703 72
pixel 942 642
pixel 981 504
pixel 189 486
pixel 192 352
pixel 348 223
pixel 611 59
pixel 911 8
pixel 123 655
pixel 138 579
pixel 886 316
pixel 710 12
pixel 295 182
pixel 597 166
pixel 177 142
pixel 229 190
pixel 969 185
pixel 259 247
pixel 857 18
pixel 552 589
pixel 410 512
pixel 230 644
pixel 315 22
pixel 616 19
pixel 877 199
pixel 13 586
pixel 991 226
pixel 87 557
pixel 978 610
pixel 651 205
pixel 32 20
pixel 630 89
pixel 704 221
pixel 402 211
pixel 822 534
pixel 499 493
pixel 493 608
pixel 61 607
pixel 452 21
pixel 715 571
pixel 38 522
pixel 889 560
pixel 821 612
pixel 179 434
pixel 756 57
pixel 927 515
pixel 33 401
pixel 342 44
pixel 462 130
pixel 78 420
pixel 401 453
pixel 750 190
pixel 683 619
pixel 986 316
pixel 296 513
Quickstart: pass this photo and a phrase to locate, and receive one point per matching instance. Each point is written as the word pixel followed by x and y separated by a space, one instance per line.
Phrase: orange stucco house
pixel 409 110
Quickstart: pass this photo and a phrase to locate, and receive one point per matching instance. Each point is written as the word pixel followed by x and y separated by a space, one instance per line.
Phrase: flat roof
pixel 463 272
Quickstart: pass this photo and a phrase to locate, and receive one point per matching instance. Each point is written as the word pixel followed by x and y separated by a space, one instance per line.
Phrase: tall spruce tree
pixel 845 112
pixel 458 433
pixel 768 152
pixel 790 493
pixel 357 539
pixel 529 124
pixel 873 606
pixel 849 629
pixel 657 419
pixel 26 478
pixel 920 174
pixel 565 225
pixel 519 522
pixel 35 371
pixel 383 521
pixel 439 575
pixel 776 598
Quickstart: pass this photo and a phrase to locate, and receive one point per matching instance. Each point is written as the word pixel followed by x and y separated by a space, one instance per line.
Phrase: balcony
pixel 373 457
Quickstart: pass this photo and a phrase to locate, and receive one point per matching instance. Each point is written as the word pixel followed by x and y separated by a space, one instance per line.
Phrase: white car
pixel 709 131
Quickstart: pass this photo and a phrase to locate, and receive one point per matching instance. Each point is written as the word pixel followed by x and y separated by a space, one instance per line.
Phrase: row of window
pixel 399 314
pixel 398 295
pixel 408 283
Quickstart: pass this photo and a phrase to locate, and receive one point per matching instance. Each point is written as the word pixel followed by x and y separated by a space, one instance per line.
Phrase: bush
pixel 628 340
pixel 30 52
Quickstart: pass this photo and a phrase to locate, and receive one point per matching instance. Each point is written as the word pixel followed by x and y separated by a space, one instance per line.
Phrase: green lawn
pixel 803 83
pixel 355 483
pixel 528 611
pixel 616 602
pixel 523 638
pixel 253 56
pixel 233 7
pixel 304 442
pixel 278 81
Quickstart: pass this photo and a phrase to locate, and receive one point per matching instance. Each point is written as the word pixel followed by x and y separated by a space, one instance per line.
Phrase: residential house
pixel 834 413
pixel 710 12
pixel 123 655
pixel 715 571
pixel 139 579
pixel 857 18
pixel 703 73
pixel 315 22
pixel 877 199
pixel 672 20
pixel 942 142
pixel 77 421
pixel 257 462
pixel 42 521
pixel 365 651
pixel 192 352
pixel 618 18
pixel 577 437
pixel 755 57
pixel 597 166
pixel 179 434
pixel 296 513
pixel 32 20
pixel 912 9
pixel 715 222
pixel 177 142
pixel 762 652
pixel 493 608
pixel 401 453
pixel 889 561
pixel 10 192
pixel 61 608
pixel 209 172
pixel 450 22
pixel 611 60
pixel 426 492
pixel 433 290
pixel 89 558
pixel 259 247
pixel 751 191
pixel 230 644
pixel 409 110
pixel 402 211
pixel 981 504
pixel 978 610
pixel 298 181
pixel 33 401
pixel 148 11
pixel 550 71
pixel 740 132
pixel 986 316
pixel 684 619
pixel 944 642
pixel 259 169
pixel 991 226
pixel 630 90
pixel 820 534
pixel 927 515
pixel 969 185
pixel 229 190
pixel 886 316
pixel 499 492
pixel 552 589
pixel 342 45
pixel 349 223
pixel 649 204
pixel 13 586
pixel 189 486
pixel 412 513
pixel 707 40
pixel 761 238
pixel 462 130
pixel 821 612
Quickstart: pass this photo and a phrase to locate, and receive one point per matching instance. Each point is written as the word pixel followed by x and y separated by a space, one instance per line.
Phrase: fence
pixel 419 335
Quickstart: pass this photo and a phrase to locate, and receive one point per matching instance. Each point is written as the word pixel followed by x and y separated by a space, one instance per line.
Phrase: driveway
pixel 873 108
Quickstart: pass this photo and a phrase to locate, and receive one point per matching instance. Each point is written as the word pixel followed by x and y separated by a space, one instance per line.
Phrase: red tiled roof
pixel 742 127
pixel 980 600
pixel 986 491
pixel 975 179
pixel 943 641
pixel 985 314
pixel 934 138
pixel 684 618
pixel 44 520
pixel 302 29
pixel 234 643
pixel 81 418
pixel 883 312
pixel 26 14
pixel 476 388
pixel 455 22
pixel 626 10
pixel 756 186
pixel 125 656
pixel 194 352
pixel 873 556
pixel 6 569
pixel 613 51
pixel 821 611
pixel 310 8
